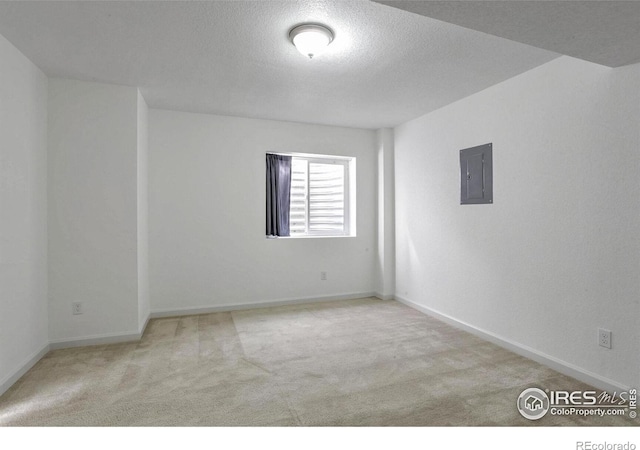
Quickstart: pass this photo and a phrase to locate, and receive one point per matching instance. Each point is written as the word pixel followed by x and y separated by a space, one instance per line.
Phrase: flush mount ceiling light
pixel 311 39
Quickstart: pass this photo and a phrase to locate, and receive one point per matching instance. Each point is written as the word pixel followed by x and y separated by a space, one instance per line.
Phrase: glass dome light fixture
pixel 311 39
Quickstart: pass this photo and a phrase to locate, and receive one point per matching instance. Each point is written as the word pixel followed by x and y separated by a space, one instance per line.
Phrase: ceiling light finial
pixel 311 39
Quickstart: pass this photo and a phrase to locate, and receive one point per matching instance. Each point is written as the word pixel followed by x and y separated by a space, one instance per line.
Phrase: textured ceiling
pixel 385 66
pixel 604 32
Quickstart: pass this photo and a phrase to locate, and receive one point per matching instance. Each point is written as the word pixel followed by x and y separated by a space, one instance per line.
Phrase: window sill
pixel 311 236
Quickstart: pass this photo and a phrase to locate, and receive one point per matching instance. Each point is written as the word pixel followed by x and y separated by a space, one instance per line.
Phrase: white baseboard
pixel 144 326
pixel 9 380
pixel 111 338
pixel 268 304
pixel 556 364
pixel 100 339
pixel 385 297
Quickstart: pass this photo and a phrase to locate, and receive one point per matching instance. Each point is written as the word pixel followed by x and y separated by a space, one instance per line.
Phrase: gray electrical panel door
pixel 476 175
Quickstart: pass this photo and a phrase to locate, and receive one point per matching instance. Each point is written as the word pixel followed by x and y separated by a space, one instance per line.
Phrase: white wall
pixel 144 307
pixel 93 151
pixel 557 255
pixel 207 214
pixel 385 275
pixel 23 213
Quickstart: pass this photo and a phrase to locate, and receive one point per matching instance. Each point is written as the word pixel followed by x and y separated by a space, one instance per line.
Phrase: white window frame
pixel 349 164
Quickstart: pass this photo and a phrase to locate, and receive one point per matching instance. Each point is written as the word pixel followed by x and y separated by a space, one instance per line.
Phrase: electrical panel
pixel 476 175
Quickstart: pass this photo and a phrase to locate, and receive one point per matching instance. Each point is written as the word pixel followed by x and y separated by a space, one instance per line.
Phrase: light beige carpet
pixel 360 362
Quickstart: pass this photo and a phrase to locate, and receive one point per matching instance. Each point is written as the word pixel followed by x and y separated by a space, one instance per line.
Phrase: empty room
pixel 319 213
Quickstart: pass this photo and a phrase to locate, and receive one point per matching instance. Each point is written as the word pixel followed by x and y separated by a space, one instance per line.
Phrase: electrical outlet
pixel 77 308
pixel 323 276
pixel 604 338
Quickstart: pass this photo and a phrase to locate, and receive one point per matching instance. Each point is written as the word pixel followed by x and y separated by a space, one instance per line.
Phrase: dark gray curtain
pixel 278 194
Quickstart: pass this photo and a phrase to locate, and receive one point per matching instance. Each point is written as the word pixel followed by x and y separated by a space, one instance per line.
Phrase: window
pixel 322 196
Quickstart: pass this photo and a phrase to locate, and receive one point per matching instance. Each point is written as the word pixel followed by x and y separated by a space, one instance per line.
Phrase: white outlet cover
pixel 604 338
pixel 76 308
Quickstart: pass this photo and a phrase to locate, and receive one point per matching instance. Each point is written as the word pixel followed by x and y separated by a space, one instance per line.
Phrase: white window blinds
pixel 298 216
pixel 319 196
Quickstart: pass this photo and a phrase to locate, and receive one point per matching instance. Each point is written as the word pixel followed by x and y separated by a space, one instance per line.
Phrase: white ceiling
pixel 604 32
pixel 385 66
